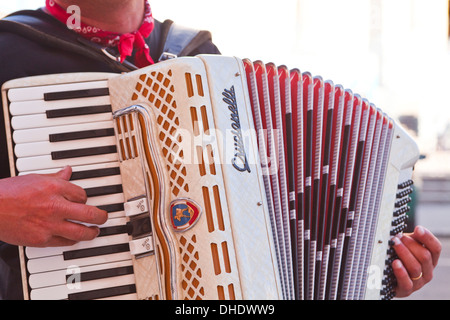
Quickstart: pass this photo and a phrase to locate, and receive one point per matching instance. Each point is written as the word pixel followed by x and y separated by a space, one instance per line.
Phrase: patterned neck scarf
pixel 125 43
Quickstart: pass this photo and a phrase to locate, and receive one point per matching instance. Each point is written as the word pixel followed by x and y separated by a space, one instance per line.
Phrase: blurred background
pixel 394 53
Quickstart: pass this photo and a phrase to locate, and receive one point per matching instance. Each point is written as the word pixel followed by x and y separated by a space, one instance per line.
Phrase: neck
pixel 121 16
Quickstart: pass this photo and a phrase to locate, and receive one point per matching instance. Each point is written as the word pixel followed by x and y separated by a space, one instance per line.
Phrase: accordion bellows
pixel 223 179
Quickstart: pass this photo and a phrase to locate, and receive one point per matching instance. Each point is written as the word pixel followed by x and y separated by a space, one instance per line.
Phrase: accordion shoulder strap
pixel 180 40
pixel 40 27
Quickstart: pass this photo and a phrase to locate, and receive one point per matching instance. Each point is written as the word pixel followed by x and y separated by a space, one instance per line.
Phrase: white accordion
pixel 222 178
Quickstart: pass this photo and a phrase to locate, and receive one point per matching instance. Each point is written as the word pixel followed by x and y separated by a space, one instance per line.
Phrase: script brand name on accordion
pixel 239 160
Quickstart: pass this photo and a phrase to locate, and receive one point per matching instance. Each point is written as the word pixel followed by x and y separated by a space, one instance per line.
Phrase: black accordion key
pixel 97 251
pixel 102 274
pixel 67 154
pixel 104 293
pixel 103 190
pixel 80 111
pixel 112 207
pixel 96 173
pixel 109 231
pixel 76 94
pixel 69 136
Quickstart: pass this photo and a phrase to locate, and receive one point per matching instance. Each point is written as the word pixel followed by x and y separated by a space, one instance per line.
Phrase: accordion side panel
pixel 403 154
pixel 243 179
pixel 8 132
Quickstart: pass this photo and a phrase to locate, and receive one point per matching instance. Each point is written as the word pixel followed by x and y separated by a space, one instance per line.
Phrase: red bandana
pixel 124 42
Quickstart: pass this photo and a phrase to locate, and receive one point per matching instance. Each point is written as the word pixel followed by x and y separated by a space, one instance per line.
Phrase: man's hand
pixel 41 210
pixel 418 254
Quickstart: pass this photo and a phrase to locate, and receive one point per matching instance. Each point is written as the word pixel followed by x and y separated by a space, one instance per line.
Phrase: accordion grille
pixel 157 88
pixel 192 273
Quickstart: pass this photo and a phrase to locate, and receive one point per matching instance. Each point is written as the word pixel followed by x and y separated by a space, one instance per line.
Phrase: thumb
pixel 64 173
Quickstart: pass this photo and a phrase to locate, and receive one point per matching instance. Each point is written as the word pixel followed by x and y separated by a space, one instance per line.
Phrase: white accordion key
pixel 46 161
pixel 106 199
pixel 77 171
pixel 40 120
pixel 28 107
pixel 98 182
pixel 39 93
pixel 75 274
pixel 33 149
pixel 58 262
pixel 89 290
pixel 63 133
pixel 67 252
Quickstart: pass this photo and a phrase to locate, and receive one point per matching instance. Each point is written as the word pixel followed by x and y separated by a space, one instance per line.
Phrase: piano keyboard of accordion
pixel 170 151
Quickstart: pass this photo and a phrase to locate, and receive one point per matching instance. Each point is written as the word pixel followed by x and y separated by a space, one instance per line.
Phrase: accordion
pixel 222 178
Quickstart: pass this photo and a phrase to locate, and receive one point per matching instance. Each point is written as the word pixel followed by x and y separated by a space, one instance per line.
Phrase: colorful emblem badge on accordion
pixel 184 214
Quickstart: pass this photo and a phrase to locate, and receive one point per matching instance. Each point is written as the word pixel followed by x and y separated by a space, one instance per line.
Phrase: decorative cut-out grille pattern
pixel 192 273
pixel 156 87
